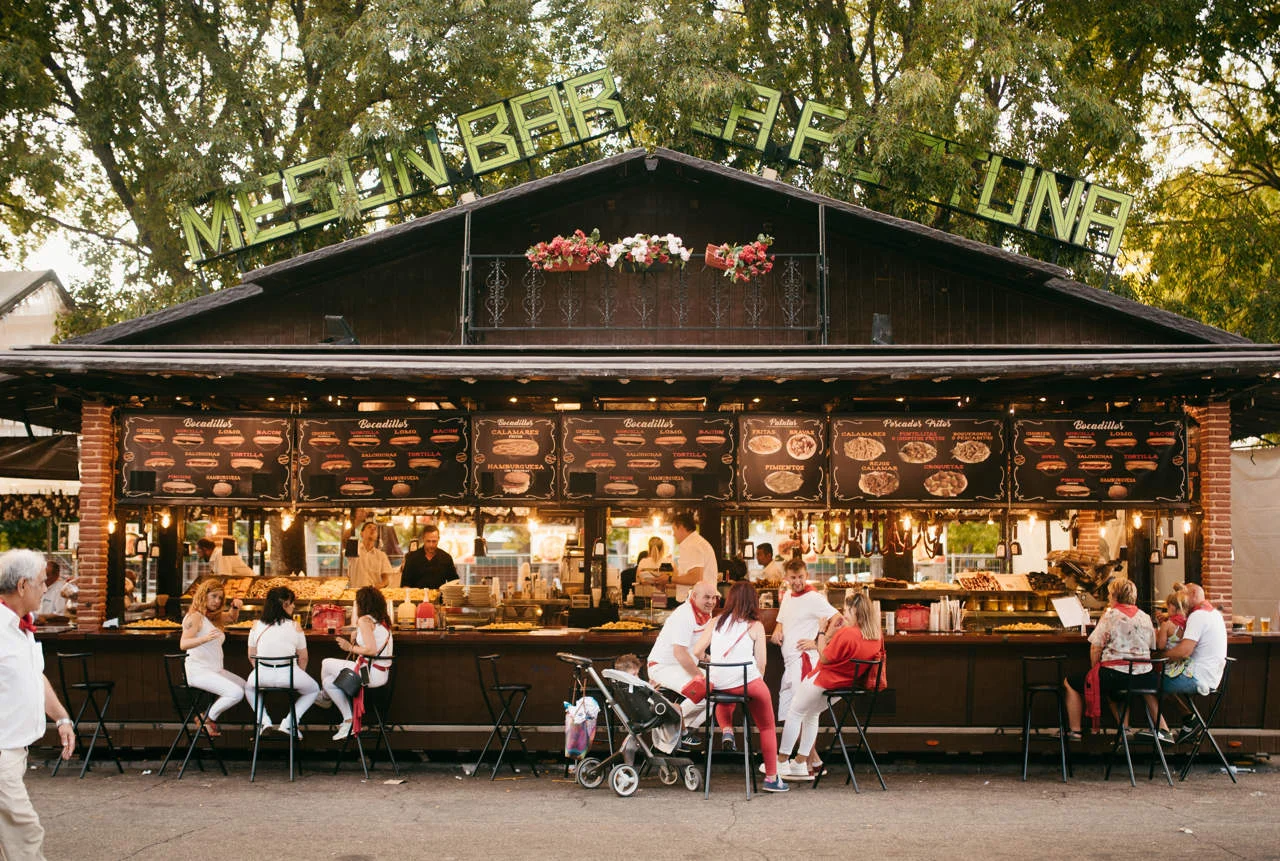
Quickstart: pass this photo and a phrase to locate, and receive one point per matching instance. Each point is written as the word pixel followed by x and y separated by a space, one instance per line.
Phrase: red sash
pixel 25 623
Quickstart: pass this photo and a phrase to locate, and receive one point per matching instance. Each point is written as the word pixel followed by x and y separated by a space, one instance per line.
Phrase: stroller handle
pixel 576 660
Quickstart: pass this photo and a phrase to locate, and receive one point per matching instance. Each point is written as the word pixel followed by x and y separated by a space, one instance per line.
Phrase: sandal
pixel 1072 735
pixel 211 728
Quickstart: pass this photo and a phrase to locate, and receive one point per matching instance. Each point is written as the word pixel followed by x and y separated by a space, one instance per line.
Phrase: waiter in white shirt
pixel 25 698
pixel 770 568
pixel 371 567
pixel 210 553
pixel 695 559
pixel 54 600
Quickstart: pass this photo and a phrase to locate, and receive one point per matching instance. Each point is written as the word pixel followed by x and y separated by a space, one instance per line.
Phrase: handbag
pixel 350 681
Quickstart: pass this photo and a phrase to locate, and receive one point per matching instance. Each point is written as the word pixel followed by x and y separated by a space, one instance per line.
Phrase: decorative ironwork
pixel 754 305
pixel 792 293
pixel 571 300
pixel 719 304
pixel 533 303
pixel 680 307
pixel 645 303
pixel 496 282
pixel 608 301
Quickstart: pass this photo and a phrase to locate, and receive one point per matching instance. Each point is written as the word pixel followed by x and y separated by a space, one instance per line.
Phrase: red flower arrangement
pixel 741 262
pixel 572 254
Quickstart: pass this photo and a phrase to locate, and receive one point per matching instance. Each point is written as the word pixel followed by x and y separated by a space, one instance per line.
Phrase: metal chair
pixel 1053 689
pixel 190 703
pixel 90 689
pixel 722 697
pixel 1134 694
pixel 259 708
pixel 862 669
pixel 1204 725
pixel 511 696
pixel 377 703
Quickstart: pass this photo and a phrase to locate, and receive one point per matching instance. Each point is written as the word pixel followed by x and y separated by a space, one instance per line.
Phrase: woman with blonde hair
pixel 202 638
pixel 647 568
pixel 851 635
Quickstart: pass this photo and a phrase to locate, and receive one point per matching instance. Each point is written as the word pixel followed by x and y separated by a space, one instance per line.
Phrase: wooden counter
pixel 953 690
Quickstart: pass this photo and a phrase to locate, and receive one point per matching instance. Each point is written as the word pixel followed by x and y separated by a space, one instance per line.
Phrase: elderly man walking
pixel 25 698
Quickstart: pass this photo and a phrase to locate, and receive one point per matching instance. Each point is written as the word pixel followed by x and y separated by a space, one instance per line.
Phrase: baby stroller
pixel 640 709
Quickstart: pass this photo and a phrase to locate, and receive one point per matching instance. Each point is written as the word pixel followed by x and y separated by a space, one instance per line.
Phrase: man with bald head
pixel 1204 641
pixel 671 662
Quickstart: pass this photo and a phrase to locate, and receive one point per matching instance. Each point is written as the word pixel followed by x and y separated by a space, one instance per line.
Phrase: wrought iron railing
pixel 505 294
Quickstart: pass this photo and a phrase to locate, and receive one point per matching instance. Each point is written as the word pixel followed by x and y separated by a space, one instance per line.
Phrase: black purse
pixel 350 682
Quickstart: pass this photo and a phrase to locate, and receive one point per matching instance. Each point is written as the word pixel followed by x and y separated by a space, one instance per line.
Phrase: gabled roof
pixel 18 285
pixel 409 236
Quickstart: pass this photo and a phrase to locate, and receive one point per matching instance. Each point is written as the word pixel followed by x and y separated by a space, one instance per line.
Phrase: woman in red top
pixel 854 634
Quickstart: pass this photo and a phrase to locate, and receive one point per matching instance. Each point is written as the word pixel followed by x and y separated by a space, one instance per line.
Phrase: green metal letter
pixel 429 164
pixel 222 217
pixel 553 117
pixel 298 195
pixel 762 118
pixel 985 209
pixel 251 211
pixel 581 104
pixel 1062 213
pixel 492 149
pixel 1113 223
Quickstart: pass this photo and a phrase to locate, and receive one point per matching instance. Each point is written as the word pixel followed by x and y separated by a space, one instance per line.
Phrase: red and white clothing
pixel 801 617
pixel 205 671
pixel 21 724
pixel 809 699
pixel 696 552
pixel 379 671
pixel 731 643
pixel 683 628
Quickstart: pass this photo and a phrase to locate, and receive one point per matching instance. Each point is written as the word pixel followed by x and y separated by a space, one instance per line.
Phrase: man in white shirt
pixel 25 698
pixel 371 567
pixel 210 553
pixel 803 612
pixel 54 601
pixel 695 558
pixel 671 661
pixel 770 568
pixel 1204 641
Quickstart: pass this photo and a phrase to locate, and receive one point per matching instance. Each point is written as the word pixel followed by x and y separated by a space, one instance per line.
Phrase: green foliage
pixel 972 537
pixel 33 534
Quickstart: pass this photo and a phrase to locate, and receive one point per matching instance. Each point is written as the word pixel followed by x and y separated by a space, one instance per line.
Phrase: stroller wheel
pixel 625 780
pixel 590 774
pixel 692 778
pixel 667 774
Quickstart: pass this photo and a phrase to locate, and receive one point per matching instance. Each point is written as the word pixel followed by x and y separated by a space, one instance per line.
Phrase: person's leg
pixel 258 703
pixel 724 714
pixel 1073 685
pixel 308 688
pixel 329 670
pixel 760 704
pixel 791 679
pixel 21 835
pixel 223 684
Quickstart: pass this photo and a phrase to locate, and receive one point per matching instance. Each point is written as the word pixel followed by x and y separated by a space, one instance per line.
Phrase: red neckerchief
pixel 700 618
pixel 1203 606
pixel 806 590
pixel 1179 621
pixel 25 623
pixel 1129 610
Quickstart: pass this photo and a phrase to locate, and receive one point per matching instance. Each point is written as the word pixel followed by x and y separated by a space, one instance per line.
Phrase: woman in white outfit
pixel 373 641
pixel 202 638
pixel 276 635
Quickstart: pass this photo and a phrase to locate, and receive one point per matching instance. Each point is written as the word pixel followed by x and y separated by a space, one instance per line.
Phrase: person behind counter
pixel 371 567
pixel 56 591
pixel 738 637
pixel 373 640
pixel 770 568
pixel 202 639
pixel 853 635
pixel 428 567
pixel 697 559
pixel 649 562
pixel 208 552
pixel 276 635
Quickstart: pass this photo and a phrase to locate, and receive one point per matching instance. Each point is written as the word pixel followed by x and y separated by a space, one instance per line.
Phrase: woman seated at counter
pixel 851 635
pixel 1124 634
pixel 373 641
pixel 276 635
pixel 202 638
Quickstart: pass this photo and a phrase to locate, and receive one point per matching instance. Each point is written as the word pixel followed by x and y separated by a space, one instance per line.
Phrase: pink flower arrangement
pixel 576 252
pixel 742 262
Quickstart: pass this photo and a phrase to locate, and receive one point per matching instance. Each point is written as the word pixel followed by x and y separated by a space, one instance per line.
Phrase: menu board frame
pixel 990 475
pixel 542 466
pixel 213 454
pixel 408 452
pixel 1115 456
pixel 648 456
pixel 783 455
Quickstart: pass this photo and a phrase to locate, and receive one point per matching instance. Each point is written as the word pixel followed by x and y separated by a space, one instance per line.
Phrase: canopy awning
pixel 54 457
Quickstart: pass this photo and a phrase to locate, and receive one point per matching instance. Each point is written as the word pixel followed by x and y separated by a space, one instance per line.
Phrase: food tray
pixel 506 628
pixel 644 629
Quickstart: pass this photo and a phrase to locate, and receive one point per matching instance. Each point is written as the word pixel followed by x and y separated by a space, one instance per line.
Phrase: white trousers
pixel 807 703
pixel 224 684
pixel 791 678
pixel 675 677
pixel 278 677
pixel 21 835
pixel 329 669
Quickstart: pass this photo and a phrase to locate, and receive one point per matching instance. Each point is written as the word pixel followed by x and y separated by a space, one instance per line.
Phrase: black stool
pixel 1132 694
pixel 90 689
pixel 377 703
pixel 1051 688
pixel 1204 725
pixel 716 698
pixel 259 708
pixel 506 720
pixel 862 669
pixel 190 703
pixel 583 686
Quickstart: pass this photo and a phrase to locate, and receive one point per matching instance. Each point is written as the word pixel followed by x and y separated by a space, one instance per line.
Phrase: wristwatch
pixel 61 721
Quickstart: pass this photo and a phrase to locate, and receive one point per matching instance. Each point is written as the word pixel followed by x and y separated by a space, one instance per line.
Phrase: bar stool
pixel 1134 694
pixel 259 708
pixel 190 703
pixel 722 697
pixel 1051 688
pixel 506 720
pixel 90 689
pixel 1204 725
pixel 377 703
pixel 862 669
pixel 583 686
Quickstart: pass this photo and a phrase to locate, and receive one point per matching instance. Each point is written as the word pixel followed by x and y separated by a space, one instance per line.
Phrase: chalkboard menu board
pixel 1100 459
pixel 514 457
pixel 782 458
pixel 202 457
pixel 649 456
pixel 918 458
pixel 383 458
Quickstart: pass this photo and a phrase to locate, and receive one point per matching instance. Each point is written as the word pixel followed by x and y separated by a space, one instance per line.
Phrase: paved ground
pixel 954 809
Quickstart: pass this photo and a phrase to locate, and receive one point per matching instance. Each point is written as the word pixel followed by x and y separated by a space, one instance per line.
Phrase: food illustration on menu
pixel 782 458
pixel 194 457
pixel 382 458
pixel 918 458
pixel 1100 459
pixel 514 457
pixel 647 456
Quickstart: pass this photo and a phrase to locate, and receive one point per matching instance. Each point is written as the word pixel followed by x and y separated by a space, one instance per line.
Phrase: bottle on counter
pixel 407 612
pixel 426 618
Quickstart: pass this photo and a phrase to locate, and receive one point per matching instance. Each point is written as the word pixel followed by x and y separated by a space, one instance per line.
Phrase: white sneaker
pixel 796 769
pixel 285 728
pixel 344 730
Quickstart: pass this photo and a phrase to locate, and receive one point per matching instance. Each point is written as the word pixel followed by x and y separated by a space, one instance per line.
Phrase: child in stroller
pixel 639 708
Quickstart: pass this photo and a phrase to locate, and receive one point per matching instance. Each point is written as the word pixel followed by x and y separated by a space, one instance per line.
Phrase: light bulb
pixel 835 528
pixel 286 520
pixel 990 520
pixel 1137 520
pixel 1031 519
pixel 533 523
pixel 1186 526
pixel 657 520
pixel 346 524
pixel 165 520
pixel 111 526
pixel 213 528
pixel 906 521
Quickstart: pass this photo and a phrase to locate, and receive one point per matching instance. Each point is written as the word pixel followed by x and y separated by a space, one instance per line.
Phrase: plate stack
pixel 453 594
pixel 479 598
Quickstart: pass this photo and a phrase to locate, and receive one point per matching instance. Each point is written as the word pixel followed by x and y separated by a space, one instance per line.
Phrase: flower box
pixel 572 266
pixel 575 253
pixel 715 258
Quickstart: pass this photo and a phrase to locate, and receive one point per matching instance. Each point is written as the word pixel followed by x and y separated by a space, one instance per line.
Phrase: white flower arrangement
pixel 643 250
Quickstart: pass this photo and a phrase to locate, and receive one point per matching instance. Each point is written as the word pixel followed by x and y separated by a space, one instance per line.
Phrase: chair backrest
pixel 708 666
pixel 180 690
pixel 1157 668
pixel 1030 662
pixel 73 669
pixel 864 669
pixel 380 696
pixel 492 660
pixel 262 662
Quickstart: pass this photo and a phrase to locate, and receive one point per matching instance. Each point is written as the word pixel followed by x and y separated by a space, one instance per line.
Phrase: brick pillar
pixel 1215 500
pixel 1088 522
pixel 97 506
